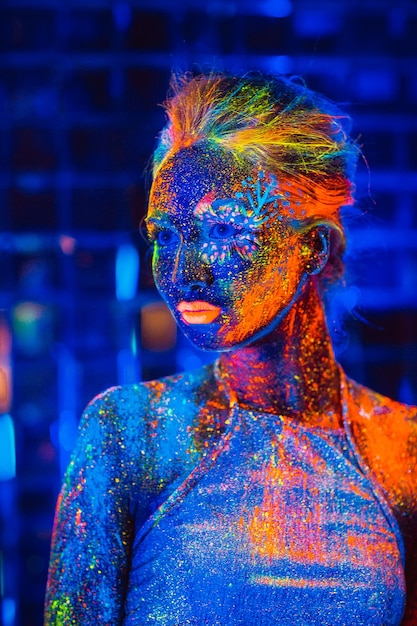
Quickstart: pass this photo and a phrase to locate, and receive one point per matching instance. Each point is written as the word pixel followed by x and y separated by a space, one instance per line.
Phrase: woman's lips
pixel 198 312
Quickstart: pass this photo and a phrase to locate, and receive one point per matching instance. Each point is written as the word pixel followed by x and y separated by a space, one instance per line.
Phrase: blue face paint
pixel 226 259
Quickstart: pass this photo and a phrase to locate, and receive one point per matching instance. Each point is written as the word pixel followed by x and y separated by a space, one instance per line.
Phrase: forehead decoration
pixel 258 200
pixel 266 190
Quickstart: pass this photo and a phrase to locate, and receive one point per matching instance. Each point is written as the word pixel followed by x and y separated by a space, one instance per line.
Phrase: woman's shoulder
pixel 380 413
pixel 147 421
pixel 161 399
pixel 385 432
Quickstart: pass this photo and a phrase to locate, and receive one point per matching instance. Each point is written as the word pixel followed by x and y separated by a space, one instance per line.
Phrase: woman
pixel 265 488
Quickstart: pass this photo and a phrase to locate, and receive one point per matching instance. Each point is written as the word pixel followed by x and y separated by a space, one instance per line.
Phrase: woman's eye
pixel 223 231
pixel 166 237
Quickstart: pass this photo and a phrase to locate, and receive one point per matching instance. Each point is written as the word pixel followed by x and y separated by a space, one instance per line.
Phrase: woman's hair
pixel 278 124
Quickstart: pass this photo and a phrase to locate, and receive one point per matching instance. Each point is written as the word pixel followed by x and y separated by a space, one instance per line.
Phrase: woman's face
pixel 226 259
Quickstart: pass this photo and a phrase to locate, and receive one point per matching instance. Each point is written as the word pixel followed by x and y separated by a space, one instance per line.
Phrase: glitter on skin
pixel 185 188
pixel 265 488
pixel 190 523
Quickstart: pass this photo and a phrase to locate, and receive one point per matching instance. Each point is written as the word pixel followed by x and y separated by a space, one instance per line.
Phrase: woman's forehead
pixel 193 174
pixel 199 176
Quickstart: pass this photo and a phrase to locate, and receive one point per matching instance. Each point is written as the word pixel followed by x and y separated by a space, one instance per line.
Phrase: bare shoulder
pixel 368 407
pixel 186 388
pixel 385 432
pixel 153 404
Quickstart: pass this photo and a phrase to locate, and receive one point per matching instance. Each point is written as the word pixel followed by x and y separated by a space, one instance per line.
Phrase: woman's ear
pixel 316 249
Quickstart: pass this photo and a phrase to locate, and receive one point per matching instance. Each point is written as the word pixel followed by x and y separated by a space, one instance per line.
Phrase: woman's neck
pixel 292 371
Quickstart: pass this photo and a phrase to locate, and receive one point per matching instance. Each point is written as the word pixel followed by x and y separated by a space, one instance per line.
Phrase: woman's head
pixel 278 126
pixel 249 177
pixel 226 262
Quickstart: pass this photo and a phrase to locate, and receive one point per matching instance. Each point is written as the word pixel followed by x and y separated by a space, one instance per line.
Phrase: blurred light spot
pixel 7 448
pixel 30 182
pixel 134 343
pixel 127 271
pixel 67 244
pixel 5 389
pixel 8 610
pixel 127 367
pixel 158 328
pixel 33 327
pixel 67 430
pixel 274 8
pixel 5 367
pixel 271 8
pixel 313 22
pixel 122 15
pixel 397 19
pixel 29 243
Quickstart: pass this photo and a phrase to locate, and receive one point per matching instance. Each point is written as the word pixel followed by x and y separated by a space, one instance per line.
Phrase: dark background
pixel 80 83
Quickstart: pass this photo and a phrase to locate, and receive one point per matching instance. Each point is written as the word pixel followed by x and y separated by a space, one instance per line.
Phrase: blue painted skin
pixel 181 274
pixel 162 519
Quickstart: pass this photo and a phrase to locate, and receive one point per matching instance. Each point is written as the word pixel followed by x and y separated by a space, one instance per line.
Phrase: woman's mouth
pixel 198 312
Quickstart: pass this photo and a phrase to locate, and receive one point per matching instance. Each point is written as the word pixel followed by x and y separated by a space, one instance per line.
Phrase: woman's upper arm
pixel 93 528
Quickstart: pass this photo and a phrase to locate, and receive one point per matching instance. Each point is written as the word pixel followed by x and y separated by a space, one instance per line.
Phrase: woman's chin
pixel 203 340
pixel 209 339
pixel 206 337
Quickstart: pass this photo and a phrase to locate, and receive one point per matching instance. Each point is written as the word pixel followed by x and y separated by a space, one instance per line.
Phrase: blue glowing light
pixel 127 368
pixel 8 611
pixel 127 271
pixel 122 14
pixel 67 430
pixel 7 448
pixel 275 8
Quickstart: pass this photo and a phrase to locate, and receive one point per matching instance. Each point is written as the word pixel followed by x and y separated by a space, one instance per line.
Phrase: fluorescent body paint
pixel 266 488
pixel 176 509
pixel 223 234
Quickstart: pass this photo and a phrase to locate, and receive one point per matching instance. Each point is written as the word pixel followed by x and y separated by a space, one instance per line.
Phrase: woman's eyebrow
pixel 156 220
pixel 202 208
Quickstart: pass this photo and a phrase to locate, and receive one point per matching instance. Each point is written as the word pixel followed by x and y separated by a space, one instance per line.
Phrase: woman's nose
pixel 190 270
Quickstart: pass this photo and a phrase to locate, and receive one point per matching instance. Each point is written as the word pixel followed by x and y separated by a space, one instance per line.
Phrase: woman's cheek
pixel 243 247
pixel 160 269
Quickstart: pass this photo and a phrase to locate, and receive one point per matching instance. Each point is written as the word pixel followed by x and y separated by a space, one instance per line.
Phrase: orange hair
pixel 272 122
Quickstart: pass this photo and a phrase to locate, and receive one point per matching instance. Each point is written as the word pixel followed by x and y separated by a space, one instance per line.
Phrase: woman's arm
pixel 93 527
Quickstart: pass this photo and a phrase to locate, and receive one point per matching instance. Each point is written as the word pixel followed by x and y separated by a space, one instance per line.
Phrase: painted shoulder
pixel 385 432
pixel 156 420
pixel 162 399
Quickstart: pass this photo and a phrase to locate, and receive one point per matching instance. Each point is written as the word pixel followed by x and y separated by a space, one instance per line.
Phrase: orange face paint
pixel 227 256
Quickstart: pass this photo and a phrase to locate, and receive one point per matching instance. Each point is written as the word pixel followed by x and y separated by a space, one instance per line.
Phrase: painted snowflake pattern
pixel 230 214
pixel 258 202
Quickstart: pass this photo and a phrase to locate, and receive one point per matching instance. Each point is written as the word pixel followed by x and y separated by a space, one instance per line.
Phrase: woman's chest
pixel 275 528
